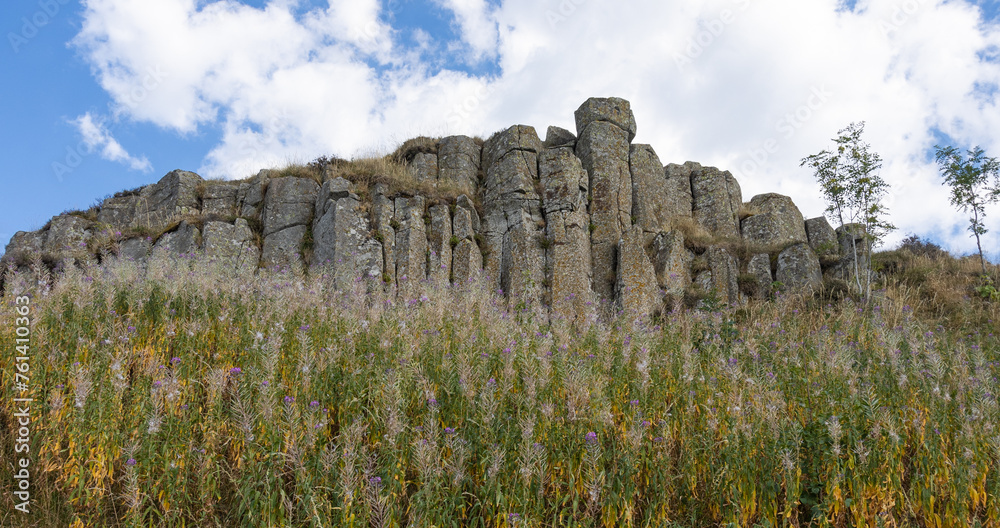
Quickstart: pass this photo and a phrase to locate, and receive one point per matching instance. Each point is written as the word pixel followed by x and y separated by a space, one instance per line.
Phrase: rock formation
pixel 566 225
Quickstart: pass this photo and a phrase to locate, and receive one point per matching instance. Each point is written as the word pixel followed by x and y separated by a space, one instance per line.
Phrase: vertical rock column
pixel 439 237
pixel 513 222
pixel 568 267
pixel 341 239
pixel 411 245
pixel 605 128
pixel 717 200
pixel 288 213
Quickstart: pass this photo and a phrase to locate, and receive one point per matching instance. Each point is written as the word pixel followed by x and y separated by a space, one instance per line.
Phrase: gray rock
pixel 220 198
pixel 67 237
pixel 516 138
pixel 411 245
pixel 467 262
pixel 523 266
pixel 118 212
pixel 822 238
pixel 604 150
pixel 778 222
pixel 439 240
pixel 672 263
pixel 636 286
pixel 716 201
pixel 462 224
pixel 853 263
pixel 289 202
pixel 250 195
pixel 559 137
pixel 283 249
pixel 175 195
pixel 231 244
pixel 333 189
pixel 651 201
pixel 383 214
pixel 799 270
pixel 760 269
pixel 725 275
pixel 613 110
pixel 464 202
pixel 567 234
pixel 459 160
pixel 181 241
pixel 135 249
pixel 23 247
pixel 679 200
pixel 424 167
pixel 341 242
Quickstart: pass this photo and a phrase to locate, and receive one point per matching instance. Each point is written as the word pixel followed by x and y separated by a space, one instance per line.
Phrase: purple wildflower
pixel 591 437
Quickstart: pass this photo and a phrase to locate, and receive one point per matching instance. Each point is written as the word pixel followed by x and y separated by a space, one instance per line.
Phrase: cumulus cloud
pixel 747 85
pixel 97 138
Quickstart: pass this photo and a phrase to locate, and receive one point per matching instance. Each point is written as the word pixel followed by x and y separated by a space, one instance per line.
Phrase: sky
pixel 106 95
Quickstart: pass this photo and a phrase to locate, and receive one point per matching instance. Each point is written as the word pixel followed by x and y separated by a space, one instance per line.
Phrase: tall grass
pixel 186 395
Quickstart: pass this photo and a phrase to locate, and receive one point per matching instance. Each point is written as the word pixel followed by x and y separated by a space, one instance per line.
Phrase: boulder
pixel 725 275
pixel 283 249
pixel 651 200
pixel 636 287
pixel 603 148
pixel 559 137
pixel 777 222
pixel 67 237
pixel 220 198
pixel 568 267
pixel 521 138
pixel 333 189
pixel 822 238
pixel 462 225
pixel 175 195
pixel 118 211
pixel 250 195
pixel 716 201
pixel 289 202
pixel 135 249
pixel 424 167
pixel 231 244
pixel 613 110
pixel 459 160
pixel 341 242
pixel 759 270
pixel 23 247
pixel 853 262
pixel 439 240
pixel 464 202
pixel 672 263
pixel 799 269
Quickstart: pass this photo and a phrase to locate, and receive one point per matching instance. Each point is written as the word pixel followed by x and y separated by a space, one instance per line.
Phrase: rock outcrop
pixel 565 226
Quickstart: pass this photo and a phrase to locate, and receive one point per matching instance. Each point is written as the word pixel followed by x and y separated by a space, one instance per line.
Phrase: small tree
pixel 854 191
pixel 970 179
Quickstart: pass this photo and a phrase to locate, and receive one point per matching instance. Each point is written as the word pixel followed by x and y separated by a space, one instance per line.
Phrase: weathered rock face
pixel 717 199
pixel 459 159
pixel 759 268
pixel 513 222
pixel 799 269
pixel 288 211
pixel 603 148
pixel 672 263
pixel 182 241
pixel 220 198
pixel 424 167
pixel 638 293
pixel 567 233
pixel 853 262
pixel 174 195
pixel 118 211
pixel 340 237
pixel 231 244
pixel 822 238
pixel 583 220
pixel 651 200
pixel 439 240
pixel 777 222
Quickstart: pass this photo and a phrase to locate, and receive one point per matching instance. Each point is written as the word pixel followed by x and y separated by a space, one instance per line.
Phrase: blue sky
pixel 108 95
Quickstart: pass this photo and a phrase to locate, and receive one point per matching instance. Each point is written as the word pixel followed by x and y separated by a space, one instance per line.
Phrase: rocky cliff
pixel 568 223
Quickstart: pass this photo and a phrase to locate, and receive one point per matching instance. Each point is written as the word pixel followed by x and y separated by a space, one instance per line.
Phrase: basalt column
pixel 605 128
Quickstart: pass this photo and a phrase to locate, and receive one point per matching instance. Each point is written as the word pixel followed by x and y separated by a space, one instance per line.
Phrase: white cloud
pixel 711 81
pixel 97 137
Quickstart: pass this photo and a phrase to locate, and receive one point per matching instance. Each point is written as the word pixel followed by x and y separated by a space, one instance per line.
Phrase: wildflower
pixel 289 400
pixel 591 437
pixel 432 402
pixel 175 360
pixel 658 439
pixel 449 430
pixel 645 423
pixel 314 403
pixel 633 403
pixel 304 328
pixel 235 370
pixel 130 462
